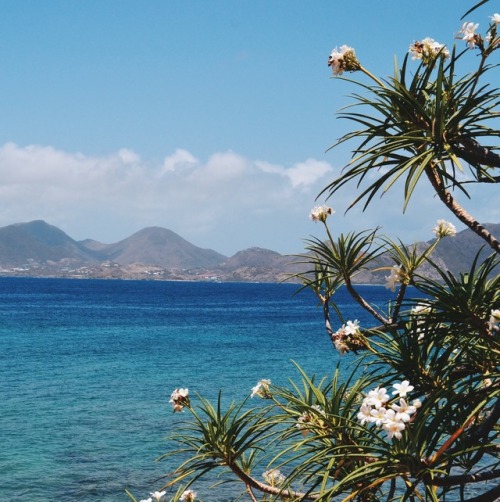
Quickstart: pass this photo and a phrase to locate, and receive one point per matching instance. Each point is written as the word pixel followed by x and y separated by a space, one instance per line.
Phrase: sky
pixel 212 118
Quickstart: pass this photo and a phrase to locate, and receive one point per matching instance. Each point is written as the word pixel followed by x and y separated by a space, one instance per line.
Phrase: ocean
pixel 87 368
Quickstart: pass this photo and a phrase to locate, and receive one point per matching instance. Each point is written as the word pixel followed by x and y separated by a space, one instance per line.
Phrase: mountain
pixel 157 246
pixel 39 249
pixel 459 250
pixel 453 254
pixel 258 265
pixel 39 242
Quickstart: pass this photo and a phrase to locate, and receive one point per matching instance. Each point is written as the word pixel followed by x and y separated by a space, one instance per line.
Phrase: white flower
pixel 351 327
pixel 390 416
pixel 188 496
pixel 468 34
pixel 274 477
pixel 377 397
pixel 444 229
pixel 179 394
pixel 343 59
pixel 179 398
pixel 339 338
pixel 394 428
pixel 494 322
pixel 320 213
pixel 378 415
pixel 262 389
pixel 403 410
pixel 364 414
pixel 402 388
pixel 158 495
pixel 428 50
pixel 495 18
pixel 394 278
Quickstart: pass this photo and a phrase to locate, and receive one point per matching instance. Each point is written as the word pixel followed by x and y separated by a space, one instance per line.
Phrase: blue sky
pixel 211 118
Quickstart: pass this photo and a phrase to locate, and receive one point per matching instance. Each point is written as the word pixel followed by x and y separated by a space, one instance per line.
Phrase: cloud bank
pixel 226 202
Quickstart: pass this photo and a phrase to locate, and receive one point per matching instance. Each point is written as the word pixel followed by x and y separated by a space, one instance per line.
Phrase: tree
pixel 418 418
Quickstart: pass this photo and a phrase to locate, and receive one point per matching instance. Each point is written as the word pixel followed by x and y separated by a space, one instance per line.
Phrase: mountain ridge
pixel 39 249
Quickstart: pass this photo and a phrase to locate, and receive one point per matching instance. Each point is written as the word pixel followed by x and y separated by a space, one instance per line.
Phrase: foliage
pixel 418 417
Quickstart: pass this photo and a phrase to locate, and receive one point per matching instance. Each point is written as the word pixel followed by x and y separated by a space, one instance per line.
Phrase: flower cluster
pixel 494 322
pixel 188 496
pixel 274 477
pixel 343 59
pixel 262 389
pixel 444 228
pixel 394 278
pixel 156 495
pixel 308 419
pixel 468 34
pixel 179 399
pixel 346 337
pixel 391 417
pixel 320 213
pixel 428 50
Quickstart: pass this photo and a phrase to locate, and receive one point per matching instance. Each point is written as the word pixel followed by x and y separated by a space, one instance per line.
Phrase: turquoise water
pixel 87 368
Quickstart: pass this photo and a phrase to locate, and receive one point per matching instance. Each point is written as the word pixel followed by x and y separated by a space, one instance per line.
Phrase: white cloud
pixel 226 203
pixel 303 174
pixel 179 160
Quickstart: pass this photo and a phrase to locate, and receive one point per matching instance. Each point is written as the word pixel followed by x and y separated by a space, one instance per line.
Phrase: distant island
pixel 38 249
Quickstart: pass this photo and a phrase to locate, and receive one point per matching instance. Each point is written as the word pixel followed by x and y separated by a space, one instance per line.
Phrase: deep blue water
pixel 87 368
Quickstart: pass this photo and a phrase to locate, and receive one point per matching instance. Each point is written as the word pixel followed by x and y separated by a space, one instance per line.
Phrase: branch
pixel 461 479
pixel 253 483
pixel 399 301
pixel 363 303
pixel 458 210
pixel 472 152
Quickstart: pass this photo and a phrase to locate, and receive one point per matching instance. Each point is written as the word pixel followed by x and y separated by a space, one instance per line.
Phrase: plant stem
pixel 372 76
pixel 459 211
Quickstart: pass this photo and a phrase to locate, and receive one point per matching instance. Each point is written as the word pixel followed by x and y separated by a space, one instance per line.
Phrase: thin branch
pixel 360 300
pixel 326 315
pixel 399 301
pixel 478 434
pixel 250 493
pixel 465 478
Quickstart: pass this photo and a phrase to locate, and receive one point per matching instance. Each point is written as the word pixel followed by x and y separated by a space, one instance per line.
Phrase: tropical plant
pixel 418 417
